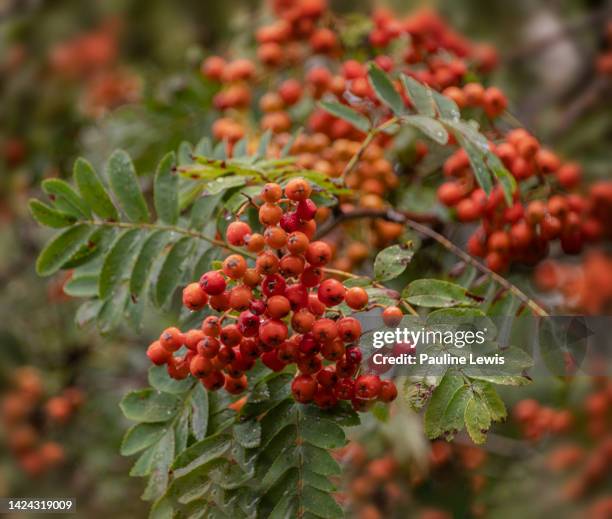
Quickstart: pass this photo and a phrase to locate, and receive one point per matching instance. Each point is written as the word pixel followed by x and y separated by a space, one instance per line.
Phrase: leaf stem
pixel 352 163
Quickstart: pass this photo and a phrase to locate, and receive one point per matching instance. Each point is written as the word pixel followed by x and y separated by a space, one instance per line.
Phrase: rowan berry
pixel 208 347
pixel 171 339
pixel 331 292
pixel 194 298
pixel 345 389
pixel 306 209
pixel 214 381
pixel 392 316
pixel 254 242
pixel 288 352
pixel 388 391
pixel 270 214
pixel 220 302
pixel 211 326
pixel 353 354
pixel 273 332
pixel 311 276
pixel 273 285
pixel 302 320
pixel 297 242
pixel 248 324
pixel 234 266
pixel 275 237
pixel 158 354
pixel 266 263
pixel 271 193
pixel 297 189
pixel 291 266
pixel 200 366
pixel 213 283
pixel 251 277
pixel 230 335
pixel 356 298
pixel 236 232
pixel 315 306
pixel 324 330
pixel 349 329
pixel 367 386
pixel 297 294
pixel 278 307
pixel 272 361
pixel 318 253
pixel 303 388
pixel 333 350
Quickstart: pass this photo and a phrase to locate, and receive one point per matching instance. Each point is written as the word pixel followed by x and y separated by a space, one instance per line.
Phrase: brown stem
pixel 450 246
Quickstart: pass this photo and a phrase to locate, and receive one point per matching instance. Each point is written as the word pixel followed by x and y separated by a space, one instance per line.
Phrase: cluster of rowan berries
pixel 584 287
pixel 536 420
pixel 24 415
pixel 522 232
pixel 286 287
pixel 378 485
pixel 431 52
pixel 584 468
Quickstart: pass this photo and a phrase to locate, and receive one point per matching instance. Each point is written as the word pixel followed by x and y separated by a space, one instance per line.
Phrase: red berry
pixel 388 391
pixel 236 232
pixel 234 266
pixel 297 294
pixel 318 253
pixel 171 339
pixel 356 298
pixel 345 389
pixel 303 388
pixel 248 324
pixel 297 189
pixel 210 326
pixel 331 292
pixel 272 361
pixel 208 347
pixel 200 366
pixel 349 329
pixel 273 285
pixel 273 332
pixel 392 316
pixel 311 276
pixel 213 283
pixel 214 381
pixel 306 209
pixel 158 354
pixel 367 386
pixel 230 335
pixel 194 298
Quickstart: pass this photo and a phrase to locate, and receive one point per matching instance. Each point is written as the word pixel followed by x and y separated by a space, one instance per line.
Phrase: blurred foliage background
pixel 81 78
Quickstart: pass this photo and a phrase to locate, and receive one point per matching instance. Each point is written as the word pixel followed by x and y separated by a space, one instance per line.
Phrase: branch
pixel 450 246
pixel 390 215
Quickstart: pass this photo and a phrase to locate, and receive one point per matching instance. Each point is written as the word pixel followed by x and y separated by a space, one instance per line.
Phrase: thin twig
pixel 450 246
pixel 352 163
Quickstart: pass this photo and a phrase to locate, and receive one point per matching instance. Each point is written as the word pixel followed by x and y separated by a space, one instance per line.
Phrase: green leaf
pixel 61 248
pixel 477 419
pixel 248 434
pixel 199 412
pixel 82 286
pixel 165 191
pixel 322 504
pixel 447 108
pixel 65 198
pixel 436 293
pixel 429 126
pixel 440 400
pixel 148 405
pixel 203 451
pixel 149 252
pixel 141 436
pixel 172 270
pixel 124 183
pixel 392 261
pixel 322 433
pixel 454 414
pixel 320 461
pixel 491 398
pixel 92 190
pixel 160 380
pixel 420 96
pixel 118 262
pixel 384 89
pixel 47 215
pixel 505 178
pixel 475 156
pixel 351 116
pixel 203 209
pixel 160 464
